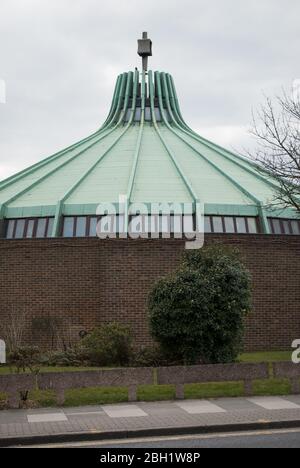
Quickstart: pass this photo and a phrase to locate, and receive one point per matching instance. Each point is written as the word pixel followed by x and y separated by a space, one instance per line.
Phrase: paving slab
pixel 294 399
pixel 13 416
pixel 200 406
pixel 235 404
pixel 123 411
pixel 274 403
pixel 47 417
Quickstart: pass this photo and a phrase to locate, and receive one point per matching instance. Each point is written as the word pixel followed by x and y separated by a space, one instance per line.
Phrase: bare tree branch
pixel 276 126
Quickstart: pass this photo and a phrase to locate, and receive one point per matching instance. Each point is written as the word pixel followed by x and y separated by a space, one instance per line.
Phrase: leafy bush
pixel 198 313
pixel 108 345
pixel 25 358
pixel 150 357
pixel 71 357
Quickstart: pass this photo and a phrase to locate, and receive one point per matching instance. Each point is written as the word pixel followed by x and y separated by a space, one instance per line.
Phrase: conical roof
pixel 146 151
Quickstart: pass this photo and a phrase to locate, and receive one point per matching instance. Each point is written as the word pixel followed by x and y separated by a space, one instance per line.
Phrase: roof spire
pixel 145 49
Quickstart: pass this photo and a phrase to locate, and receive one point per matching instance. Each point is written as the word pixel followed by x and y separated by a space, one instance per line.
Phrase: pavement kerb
pixel 142 433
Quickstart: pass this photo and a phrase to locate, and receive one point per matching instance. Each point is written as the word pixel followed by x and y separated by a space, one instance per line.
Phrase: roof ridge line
pixel 170 153
pixel 136 156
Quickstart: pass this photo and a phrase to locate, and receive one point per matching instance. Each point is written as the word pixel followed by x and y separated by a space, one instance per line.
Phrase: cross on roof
pixel 145 49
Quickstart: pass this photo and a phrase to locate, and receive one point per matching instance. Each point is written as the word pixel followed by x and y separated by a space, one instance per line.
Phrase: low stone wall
pixel 181 375
pixel 288 370
pixel 12 385
pixel 127 377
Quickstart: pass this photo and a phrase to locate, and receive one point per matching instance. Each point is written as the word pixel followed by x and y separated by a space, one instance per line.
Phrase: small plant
pixel 71 357
pixel 12 328
pixel 108 345
pixel 152 357
pixel 22 359
pixel 25 358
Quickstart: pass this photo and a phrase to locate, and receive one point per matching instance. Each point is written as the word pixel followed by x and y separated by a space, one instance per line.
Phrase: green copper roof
pixel 145 150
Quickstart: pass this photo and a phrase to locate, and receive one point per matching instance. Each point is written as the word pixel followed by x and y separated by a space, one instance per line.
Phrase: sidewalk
pixel 45 425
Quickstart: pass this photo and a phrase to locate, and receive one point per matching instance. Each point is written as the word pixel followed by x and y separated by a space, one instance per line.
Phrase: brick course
pixel 90 281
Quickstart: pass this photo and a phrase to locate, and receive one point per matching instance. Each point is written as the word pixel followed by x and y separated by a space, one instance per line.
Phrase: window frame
pixel 223 218
pixel 27 221
pixel 209 218
pixel 74 227
pixel 90 217
pixel 281 226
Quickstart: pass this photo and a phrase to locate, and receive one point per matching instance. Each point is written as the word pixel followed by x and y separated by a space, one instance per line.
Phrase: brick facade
pixel 88 281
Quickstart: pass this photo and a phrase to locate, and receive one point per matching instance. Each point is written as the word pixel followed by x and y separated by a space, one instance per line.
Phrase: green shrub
pixel 198 313
pixel 25 358
pixel 151 357
pixel 108 345
pixel 71 357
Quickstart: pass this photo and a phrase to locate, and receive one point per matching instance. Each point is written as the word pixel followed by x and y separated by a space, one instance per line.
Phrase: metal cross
pixel 145 49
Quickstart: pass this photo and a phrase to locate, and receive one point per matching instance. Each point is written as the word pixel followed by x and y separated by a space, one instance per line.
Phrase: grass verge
pixel 102 396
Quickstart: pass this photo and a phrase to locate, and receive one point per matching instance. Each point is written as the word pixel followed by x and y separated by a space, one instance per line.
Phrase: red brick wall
pixel 91 281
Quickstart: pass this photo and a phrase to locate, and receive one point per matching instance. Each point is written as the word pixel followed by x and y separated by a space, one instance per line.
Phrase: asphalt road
pixel 259 439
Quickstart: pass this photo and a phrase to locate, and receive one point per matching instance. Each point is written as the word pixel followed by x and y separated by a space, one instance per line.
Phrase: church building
pixel 55 270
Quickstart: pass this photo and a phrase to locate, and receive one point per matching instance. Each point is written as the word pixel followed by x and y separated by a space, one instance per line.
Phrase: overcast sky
pixel 60 58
